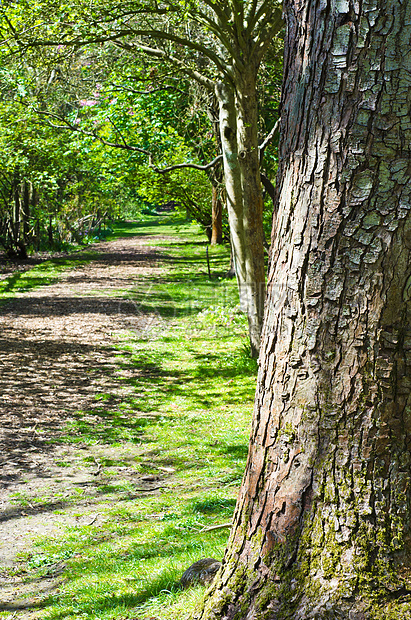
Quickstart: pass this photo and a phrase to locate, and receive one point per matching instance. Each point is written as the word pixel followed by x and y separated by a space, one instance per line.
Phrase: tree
pixel 322 525
pixel 219 44
pixel 53 187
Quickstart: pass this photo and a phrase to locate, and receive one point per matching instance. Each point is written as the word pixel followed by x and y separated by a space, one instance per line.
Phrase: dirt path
pixel 57 355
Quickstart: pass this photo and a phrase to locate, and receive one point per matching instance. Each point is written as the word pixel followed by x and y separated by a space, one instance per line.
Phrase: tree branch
pixel 268 186
pixel 215 161
pixel 266 33
pixel 114 88
pixel 80 41
pixel 268 139
pixel 265 8
pixel 157 53
pixel 92 134
pixel 219 28
pixel 166 36
pixel 124 145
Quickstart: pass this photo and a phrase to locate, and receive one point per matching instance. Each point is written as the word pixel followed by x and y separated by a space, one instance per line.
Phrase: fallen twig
pixel 96 473
pixel 216 527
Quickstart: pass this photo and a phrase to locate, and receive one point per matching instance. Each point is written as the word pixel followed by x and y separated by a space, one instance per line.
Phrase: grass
pixel 182 421
pixel 41 275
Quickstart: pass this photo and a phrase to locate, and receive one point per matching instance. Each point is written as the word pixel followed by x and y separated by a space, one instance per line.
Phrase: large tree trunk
pixel 322 525
pixel 238 130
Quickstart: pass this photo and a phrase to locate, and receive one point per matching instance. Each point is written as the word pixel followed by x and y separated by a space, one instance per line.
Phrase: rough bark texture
pixel 322 525
pixel 238 130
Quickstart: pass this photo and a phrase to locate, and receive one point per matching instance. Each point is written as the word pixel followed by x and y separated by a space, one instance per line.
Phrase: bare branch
pixel 114 88
pixel 269 28
pixel 219 28
pixel 265 8
pixel 117 130
pixel 16 34
pixel 215 161
pixel 268 139
pixel 124 145
pixel 92 134
pixel 157 53
pixel 250 13
pixel 167 36
pixel 122 33
pixel 216 527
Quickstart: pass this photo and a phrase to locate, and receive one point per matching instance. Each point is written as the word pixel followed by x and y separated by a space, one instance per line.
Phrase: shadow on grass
pixel 20 606
pixel 106 427
pixel 172 385
pixel 42 274
pixel 34 278
pixel 181 296
pixel 164 583
pixel 165 299
pixel 102 593
pixel 38 370
pixel 55 379
pixel 23 281
pixel 214 505
pixel 135 228
pixel 238 451
pixel 116 417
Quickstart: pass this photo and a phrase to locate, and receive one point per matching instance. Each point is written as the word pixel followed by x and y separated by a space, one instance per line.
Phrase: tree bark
pixel 238 130
pixel 25 211
pixel 322 524
pixel 216 218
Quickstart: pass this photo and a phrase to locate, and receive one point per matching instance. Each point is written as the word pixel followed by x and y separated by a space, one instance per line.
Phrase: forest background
pixel 86 133
pixel 89 133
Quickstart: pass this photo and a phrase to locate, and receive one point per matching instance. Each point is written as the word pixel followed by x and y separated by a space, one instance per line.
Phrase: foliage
pixel 74 180
pixel 122 94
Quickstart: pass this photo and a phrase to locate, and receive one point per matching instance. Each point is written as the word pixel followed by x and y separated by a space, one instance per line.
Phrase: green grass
pixel 184 417
pixel 41 275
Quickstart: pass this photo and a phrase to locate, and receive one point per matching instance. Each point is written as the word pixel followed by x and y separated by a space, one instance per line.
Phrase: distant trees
pixel 218 44
pixel 51 191
pixel 56 185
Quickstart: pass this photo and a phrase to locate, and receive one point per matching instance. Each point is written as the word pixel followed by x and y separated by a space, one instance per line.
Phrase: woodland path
pixel 58 353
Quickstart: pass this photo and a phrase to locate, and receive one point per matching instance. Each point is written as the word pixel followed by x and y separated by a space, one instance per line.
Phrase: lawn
pixel 181 424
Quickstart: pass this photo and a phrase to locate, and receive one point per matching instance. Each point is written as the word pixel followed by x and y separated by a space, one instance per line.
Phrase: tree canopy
pixel 218 45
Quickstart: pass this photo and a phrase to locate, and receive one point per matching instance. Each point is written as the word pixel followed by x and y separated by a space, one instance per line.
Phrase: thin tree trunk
pixel 249 164
pixel 18 243
pixel 16 213
pixel 323 522
pixel 217 218
pixel 50 230
pixel 244 200
pixel 26 199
